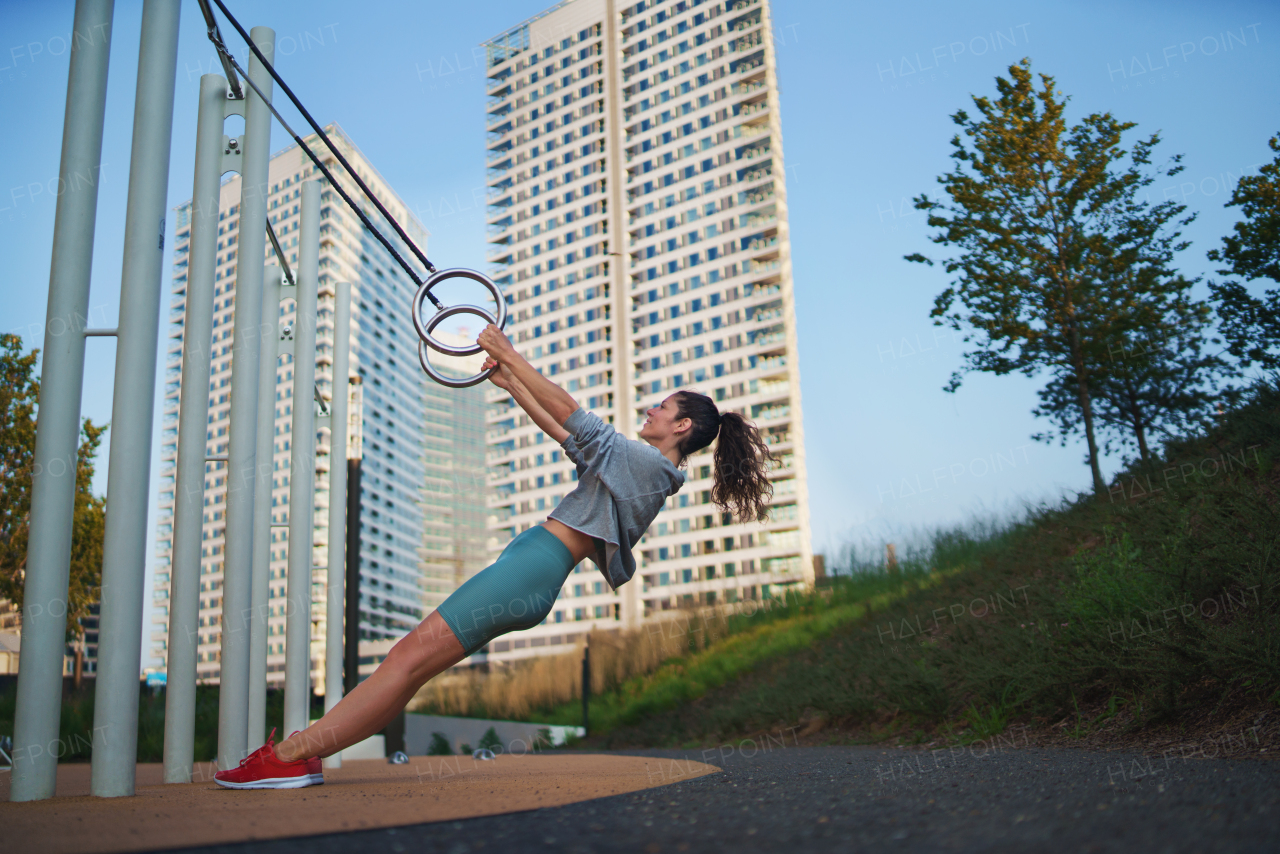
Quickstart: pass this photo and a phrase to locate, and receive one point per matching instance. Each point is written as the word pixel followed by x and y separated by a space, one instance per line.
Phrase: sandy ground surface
pixel 363 795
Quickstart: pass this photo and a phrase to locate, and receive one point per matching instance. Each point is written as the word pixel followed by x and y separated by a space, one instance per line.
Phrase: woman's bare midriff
pixel 579 544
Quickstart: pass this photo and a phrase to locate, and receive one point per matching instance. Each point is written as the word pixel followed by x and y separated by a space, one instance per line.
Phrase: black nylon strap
pixel 336 153
pixel 333 181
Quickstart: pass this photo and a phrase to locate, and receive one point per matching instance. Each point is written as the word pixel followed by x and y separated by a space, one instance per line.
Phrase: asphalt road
pixel 777 797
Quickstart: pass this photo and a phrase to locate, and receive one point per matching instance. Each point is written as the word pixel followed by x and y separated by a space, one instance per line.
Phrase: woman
pixel 622 485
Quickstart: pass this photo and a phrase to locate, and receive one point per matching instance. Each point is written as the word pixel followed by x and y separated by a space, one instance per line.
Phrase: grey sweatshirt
pixel 622 485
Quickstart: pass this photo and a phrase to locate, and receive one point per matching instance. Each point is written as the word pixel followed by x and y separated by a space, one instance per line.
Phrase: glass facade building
pixel 417 539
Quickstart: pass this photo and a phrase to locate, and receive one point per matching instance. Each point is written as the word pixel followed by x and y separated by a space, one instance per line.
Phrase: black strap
pixel 338 154
pixel 333 181
pixel 275 244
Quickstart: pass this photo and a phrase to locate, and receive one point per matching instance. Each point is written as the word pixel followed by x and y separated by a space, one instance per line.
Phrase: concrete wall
pixel 516 737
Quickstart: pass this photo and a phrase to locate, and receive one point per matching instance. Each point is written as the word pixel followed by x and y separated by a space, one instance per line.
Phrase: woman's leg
pixel 427 650
pixel 515 593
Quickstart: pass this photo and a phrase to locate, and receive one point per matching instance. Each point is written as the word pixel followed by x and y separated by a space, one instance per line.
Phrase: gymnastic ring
pixel 424 329
pixel 451 382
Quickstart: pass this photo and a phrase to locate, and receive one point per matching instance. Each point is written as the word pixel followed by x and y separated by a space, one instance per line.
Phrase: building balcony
pixel 761 392
pixel 770 412
pixel 771 339
pixel 772 363
pixel 758 220
pixel 777 441
pixel 748 42
pixel 783 464
pixel 766 315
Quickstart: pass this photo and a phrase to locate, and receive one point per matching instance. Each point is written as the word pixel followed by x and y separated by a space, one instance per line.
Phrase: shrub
pixel 439 745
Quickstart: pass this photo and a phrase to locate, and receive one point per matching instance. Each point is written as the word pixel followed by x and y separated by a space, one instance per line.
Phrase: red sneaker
pixel 262 770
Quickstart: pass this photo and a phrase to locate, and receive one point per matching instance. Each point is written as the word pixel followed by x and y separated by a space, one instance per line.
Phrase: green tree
pixel 1251 326
pixel 1162 386
pixel 19 393
pixel 1059 257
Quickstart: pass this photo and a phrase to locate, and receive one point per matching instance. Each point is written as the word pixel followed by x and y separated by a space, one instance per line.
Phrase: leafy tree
pixel 1164 385
pixel 88 527
pixel 19 393
pixel 18 397
pixel 1059 258
pixel 1251 326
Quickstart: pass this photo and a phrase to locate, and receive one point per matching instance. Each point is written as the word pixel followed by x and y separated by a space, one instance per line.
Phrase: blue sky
pixel 867 91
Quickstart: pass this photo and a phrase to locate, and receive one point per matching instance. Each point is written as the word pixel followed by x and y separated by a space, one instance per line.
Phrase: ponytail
pixel 741 484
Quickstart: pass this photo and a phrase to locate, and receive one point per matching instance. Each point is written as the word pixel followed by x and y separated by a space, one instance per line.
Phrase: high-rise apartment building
pixel 639 223
pixel 420 534
pixel 455 524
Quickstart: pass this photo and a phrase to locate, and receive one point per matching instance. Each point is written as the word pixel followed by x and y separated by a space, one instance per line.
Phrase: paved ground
pixel 777 797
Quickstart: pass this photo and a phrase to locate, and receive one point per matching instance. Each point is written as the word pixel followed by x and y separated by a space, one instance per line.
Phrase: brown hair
pixel 741 485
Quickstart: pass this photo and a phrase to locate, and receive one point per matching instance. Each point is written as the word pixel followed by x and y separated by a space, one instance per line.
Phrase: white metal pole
pixel 193 417
pixel 302 469
pixel 124 550
pixel 53 482
pixel 260 598
pixel 335 589
pixel 233 676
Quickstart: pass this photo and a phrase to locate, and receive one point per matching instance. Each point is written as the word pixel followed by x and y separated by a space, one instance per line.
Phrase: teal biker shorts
pixel 515 593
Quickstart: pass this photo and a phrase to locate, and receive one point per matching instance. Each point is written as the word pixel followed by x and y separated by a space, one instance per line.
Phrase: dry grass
pixel 515 691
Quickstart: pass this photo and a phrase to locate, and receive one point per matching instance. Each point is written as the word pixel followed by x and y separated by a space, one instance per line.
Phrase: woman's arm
pixel 504 379
pixel 557 402
pixel 551 397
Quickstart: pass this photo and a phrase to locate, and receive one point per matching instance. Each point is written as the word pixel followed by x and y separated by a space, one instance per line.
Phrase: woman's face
pixel 663 421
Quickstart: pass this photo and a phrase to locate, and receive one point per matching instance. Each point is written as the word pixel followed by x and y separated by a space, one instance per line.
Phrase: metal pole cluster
pixel 302 467
pixel 273 291
pixel 53 484
pixel 212 160
pixel 233 676
pixel 335 601
pixel 115 718
pixel 256 346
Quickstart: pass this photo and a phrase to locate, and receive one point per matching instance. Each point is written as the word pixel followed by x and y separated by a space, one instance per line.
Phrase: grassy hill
pixel 1150 611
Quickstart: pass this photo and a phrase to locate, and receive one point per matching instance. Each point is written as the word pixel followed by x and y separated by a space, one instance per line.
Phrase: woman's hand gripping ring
pixel 424 329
